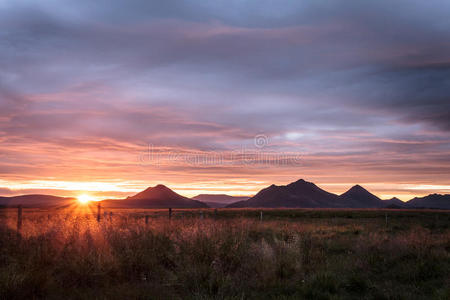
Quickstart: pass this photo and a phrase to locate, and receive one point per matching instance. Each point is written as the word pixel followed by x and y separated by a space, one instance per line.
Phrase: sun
pixel 84 199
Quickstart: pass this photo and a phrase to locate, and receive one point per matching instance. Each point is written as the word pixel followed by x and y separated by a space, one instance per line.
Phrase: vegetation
pixel 230 254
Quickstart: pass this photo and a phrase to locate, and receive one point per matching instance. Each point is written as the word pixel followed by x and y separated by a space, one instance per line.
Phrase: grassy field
pixel 231 254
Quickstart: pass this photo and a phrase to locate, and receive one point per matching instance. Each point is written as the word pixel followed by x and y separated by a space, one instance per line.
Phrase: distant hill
pixel 431 201
pixel 218 200
pixel 359 197
pixel 297 194
pixel 36 201
pixel 395 203
pixel 159 196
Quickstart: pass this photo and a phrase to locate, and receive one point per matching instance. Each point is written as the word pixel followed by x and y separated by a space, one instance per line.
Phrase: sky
pixel 110 96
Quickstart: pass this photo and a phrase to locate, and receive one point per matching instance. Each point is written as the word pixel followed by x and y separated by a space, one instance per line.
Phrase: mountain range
pixel 308 195
pixel 298 194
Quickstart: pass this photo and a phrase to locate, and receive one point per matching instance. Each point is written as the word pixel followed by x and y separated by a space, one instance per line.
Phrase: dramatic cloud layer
pixel 113 96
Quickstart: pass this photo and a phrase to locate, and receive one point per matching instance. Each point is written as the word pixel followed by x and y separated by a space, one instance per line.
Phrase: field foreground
pixel 229 254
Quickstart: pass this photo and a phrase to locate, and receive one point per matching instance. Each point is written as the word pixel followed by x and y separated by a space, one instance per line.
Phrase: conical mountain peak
pixel 158 196
pixel 157 191
pixel 357 188
pixel 301 181
pixel 357 196
pixel 161 187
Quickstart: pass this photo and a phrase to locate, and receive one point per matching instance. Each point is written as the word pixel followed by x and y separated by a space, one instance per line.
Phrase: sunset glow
pixel 110 99
pixel 84 199
pixel 196 149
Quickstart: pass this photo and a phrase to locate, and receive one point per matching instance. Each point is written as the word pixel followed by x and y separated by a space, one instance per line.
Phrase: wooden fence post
pixel 215 213
pixel 146 220
pixel 261 215
pixel 19 217
pixel 170 213
pixel 110 216
pixel 98 211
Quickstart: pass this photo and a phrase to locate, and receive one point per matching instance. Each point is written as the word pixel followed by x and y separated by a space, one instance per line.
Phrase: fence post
pixel 146 220
pixel 98 211
pixel 19 217
pixel 215 213
pixel 201 214
pixel 110 216
pixel 261 215
pixel 170 213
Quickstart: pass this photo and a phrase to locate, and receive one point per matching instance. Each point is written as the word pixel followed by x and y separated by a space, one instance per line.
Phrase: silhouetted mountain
pixel 306 194
pixel 159 196
pixel 297 194
pixel 431 201
pixel 359 197
pixel 36 200
pixel 394 203
pixel 218 200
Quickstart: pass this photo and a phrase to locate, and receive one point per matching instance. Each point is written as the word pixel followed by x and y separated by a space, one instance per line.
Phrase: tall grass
pixel 232 257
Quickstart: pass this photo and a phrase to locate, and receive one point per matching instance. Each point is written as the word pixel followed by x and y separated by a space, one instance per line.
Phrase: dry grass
pixel 310 254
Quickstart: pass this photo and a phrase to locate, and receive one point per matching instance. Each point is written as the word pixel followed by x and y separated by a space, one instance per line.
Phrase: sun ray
pixel 84 199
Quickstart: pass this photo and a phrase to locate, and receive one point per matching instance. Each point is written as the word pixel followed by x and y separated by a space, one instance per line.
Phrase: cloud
pixel 87 84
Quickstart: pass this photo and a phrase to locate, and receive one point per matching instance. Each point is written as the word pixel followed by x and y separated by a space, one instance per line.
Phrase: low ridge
pixel 395 202
pixel 36 200
pixel 218 200
pixel 431 201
